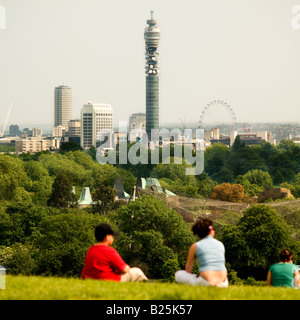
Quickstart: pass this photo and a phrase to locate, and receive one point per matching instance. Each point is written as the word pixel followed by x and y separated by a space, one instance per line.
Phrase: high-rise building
pixel 57 131
pixel 152 36
pixel 96 120
pixel 37 132
pixel 62 106
pixel 137 121
pixel 14 130
pixel 74 132
pixel 137 126
pixel 74 128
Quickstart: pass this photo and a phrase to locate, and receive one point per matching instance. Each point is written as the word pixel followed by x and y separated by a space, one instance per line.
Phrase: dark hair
pixel 285 255
pixel 202 227
pixel 102 230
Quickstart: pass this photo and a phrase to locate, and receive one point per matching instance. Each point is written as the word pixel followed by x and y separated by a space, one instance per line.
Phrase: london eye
pixel 218 104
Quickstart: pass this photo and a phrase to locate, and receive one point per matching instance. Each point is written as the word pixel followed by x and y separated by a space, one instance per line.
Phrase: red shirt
pixel 102 262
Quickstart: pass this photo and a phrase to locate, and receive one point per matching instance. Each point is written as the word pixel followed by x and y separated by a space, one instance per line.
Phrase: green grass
pixel 42 288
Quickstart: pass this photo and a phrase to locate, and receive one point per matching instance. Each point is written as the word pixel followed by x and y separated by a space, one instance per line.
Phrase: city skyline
pixel 246 54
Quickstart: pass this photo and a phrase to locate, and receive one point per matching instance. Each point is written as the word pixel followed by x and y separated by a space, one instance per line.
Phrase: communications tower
pixel 152 36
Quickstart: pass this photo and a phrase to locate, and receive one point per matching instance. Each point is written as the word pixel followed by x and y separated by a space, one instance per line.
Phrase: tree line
pixel 43 232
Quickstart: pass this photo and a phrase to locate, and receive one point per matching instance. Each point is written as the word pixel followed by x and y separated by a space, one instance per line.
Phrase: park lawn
pixel 52 288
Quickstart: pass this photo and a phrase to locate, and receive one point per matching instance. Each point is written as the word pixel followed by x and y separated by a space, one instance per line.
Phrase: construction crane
pixel 6 120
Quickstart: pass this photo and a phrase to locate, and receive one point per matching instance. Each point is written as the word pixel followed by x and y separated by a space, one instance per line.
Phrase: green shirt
pixel 283 274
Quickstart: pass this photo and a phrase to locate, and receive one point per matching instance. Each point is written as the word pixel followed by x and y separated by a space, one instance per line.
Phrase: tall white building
pixel 96 120
pixel 62 106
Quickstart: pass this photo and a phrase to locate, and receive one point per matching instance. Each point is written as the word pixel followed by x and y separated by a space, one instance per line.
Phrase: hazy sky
pixel 244 52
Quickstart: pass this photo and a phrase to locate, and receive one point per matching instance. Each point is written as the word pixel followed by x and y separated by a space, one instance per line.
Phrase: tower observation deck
pixel 152 36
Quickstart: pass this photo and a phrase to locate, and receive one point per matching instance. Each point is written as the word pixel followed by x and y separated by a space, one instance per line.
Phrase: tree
pixel 255 181
pixel 69 146
pixel 19 223
pixel 224 175
pixel 103 174
pixel 215 158
pixel 104 198
pixel 151 234
pixel 40 183
pixel 65 238
pixel 62 195
pixel 254 243
pixel 64 163
pixel 12 176
pixel 128 179
pixel 206 187
pixel 174 172
pixel 92 152
pixel 237 144
pixel 228 192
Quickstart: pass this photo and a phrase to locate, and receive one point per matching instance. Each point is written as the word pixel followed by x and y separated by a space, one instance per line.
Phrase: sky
pixel 245 53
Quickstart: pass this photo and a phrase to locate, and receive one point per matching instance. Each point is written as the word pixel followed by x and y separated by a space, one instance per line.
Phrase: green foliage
pixel 153 233
pixel 20 223
pixel 69 146
pixel 174 171
pixel 64 240
pixel 18 259
pixel 12 176
pixel 255 181
pixel 215 158
pixel 104 198
pixel 62 195
pixel 206 187
pixel 253 244
pixel 237 144
pixel 169 268
pixel 128 179
pixel 39 239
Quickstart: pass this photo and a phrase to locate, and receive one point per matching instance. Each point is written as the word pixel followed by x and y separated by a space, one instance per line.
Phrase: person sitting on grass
pixel 210 254
pixel 104 263
pixel 284 273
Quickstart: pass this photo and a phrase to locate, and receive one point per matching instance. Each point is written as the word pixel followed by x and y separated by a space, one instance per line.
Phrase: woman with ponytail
pixel 284 273
pixel 210 254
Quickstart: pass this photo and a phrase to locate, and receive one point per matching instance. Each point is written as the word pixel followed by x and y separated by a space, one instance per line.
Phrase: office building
pixel 74 128
pixel 14 130
pixel 96 121
pixel 152 36
pixel 36 132
pixel 57 131
pixel 137 121
pixel 137 126
pixel 32 145
pixel 62 106
pixel 74 132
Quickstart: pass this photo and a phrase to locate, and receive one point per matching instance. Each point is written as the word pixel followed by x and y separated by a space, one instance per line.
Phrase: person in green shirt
pixel 284 273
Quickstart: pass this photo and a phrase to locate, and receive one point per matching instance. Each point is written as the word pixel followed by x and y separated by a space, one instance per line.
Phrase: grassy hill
pixel 42 288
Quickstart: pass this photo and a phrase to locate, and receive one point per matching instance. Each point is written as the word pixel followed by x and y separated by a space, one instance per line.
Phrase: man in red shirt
pixel 104 262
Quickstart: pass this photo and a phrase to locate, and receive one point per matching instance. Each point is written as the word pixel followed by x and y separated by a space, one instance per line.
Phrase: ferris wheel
pixel 222 104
